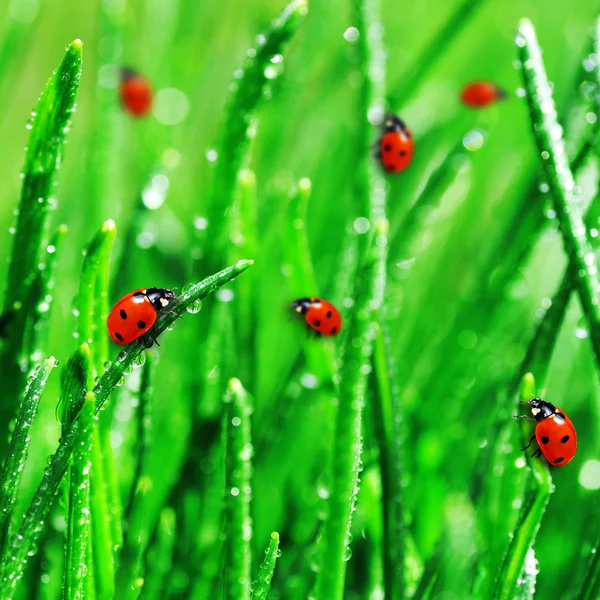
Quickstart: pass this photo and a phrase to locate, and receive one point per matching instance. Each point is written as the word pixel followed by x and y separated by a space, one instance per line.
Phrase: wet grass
pixel 386 458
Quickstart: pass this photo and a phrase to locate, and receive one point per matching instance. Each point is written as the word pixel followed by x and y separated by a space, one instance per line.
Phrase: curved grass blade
pixel 262 584
pixel 33 522
pixel 43 157
pixel 248 91
pixel 591 582
pixel 19 447
pixel 526 583
pixel 548 136
pixel 238 475
pixel 534 505
pixel 434 49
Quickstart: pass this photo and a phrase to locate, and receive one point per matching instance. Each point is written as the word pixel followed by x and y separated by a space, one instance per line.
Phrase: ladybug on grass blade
pixel 136 93
pixel 396 146
pixel 136 312
pixel 554 432
pixel 481 93
pixel 320 315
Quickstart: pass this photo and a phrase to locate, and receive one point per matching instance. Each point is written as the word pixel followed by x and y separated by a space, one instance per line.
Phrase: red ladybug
pixel 554 432
pixel 396 146
pixel 321 315
pixel 136 312
pixel 136 93
pixel 481 93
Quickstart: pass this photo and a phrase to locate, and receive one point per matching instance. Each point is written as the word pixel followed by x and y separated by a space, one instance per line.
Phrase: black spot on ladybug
pixel 316 323
pixel 333 330
pixel 123 314
pixel 141 324
pixel 329 314
pixel 402 153
pixel 564 439
pixel 387 147
pixel 558 460
pixel 119 337
pixel 545 440
pixel 390 167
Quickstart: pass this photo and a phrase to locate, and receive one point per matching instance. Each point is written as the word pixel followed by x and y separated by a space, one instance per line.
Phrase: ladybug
pixel 136 93
pixel 554 432
pixel 136 312
pixel 481 93
pixel 320 315
pixel 396 146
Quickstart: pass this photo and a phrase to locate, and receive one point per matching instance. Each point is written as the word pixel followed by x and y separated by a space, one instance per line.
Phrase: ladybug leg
pixel 524 417
pixel 530 441
pixel 536 454
pixel 155 336
pixel 170 312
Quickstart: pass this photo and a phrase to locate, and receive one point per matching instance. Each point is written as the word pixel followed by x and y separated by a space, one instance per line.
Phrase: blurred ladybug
pixel 136 312
pixel 481 93
pixel 320 315
pixel 554 432
pixel 396 146
pixel 136 93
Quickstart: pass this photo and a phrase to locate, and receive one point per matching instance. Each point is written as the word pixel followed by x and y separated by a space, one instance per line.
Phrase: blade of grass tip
pixel 410 82
pixel 238 491
pixel 33 522
pixel 320 357
pixel 160 556
pixel 387 417
pixel 90 324
pixel 144 429
pixel 18 448
pixel 534 505
pixel 249 88
pixel 548 136
pixel 49 128
pixel 42 289
pixel 262 583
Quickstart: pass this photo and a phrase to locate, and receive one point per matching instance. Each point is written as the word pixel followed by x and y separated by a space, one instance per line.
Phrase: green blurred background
pixel 457 345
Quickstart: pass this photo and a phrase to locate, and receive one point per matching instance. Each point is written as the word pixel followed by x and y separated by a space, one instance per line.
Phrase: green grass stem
pixel 548 136
pixel 43 157
pixel 262 583
pixel 238 491
pixel 18 449
pixel 160 556
pixel 33 522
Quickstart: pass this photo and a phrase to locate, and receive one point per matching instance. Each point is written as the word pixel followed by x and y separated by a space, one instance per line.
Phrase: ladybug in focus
pixel 136 312
pixel 481 93
pixel 320 315
pixel 554 432
pixel 136 93
pixel 396 146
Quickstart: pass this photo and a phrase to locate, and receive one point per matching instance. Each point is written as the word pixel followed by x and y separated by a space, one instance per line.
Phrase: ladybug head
pixel 393 123
pixel 302 305
pixel 541 409
pixel 128 73
pixel 160 297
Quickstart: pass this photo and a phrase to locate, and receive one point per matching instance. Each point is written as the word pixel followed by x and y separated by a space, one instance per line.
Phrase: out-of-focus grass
pixel 475 259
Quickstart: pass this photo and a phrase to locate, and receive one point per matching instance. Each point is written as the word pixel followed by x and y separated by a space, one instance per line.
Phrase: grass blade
pixel 78 580
pixel 534 505
pixel 33 522
pixel 43 157
pixel 19 447
pixel 548 136
pixel 262 584
pixel 160 556
pixel 248 91
pixel 238 490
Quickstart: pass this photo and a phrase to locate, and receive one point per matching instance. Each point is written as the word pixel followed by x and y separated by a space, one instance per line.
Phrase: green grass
pixel 386 458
